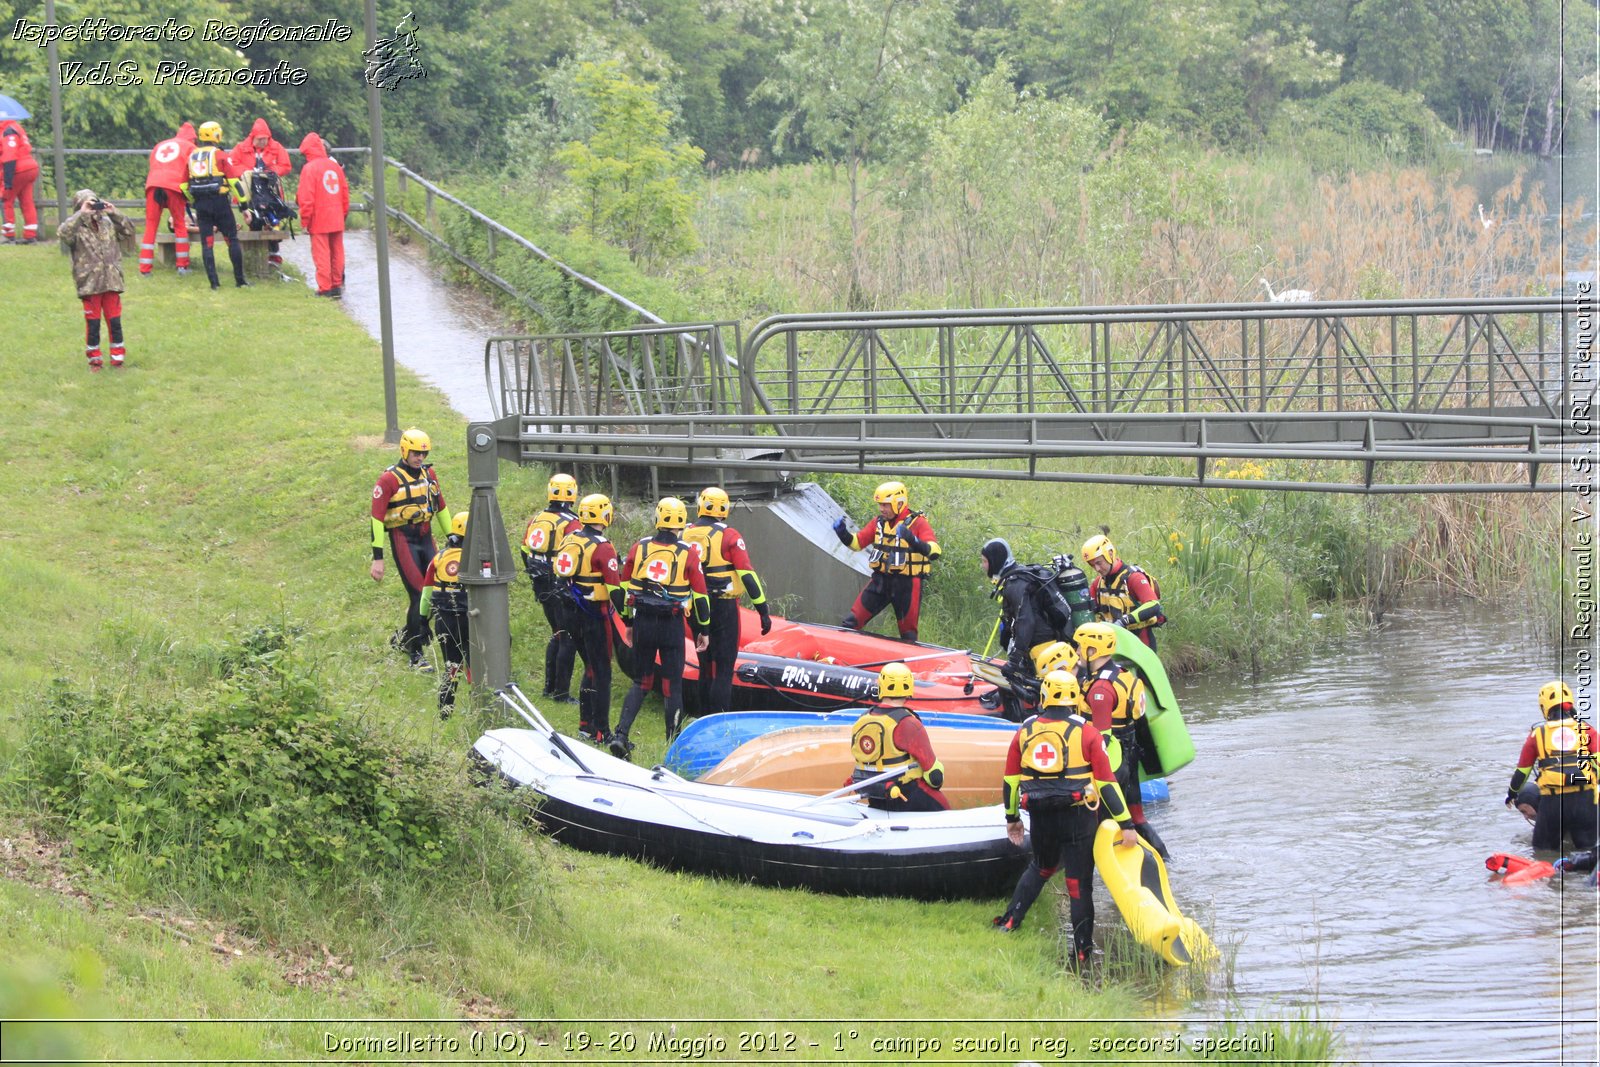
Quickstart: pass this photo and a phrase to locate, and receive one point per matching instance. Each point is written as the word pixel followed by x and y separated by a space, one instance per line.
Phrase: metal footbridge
pixel 1434 396
pixel 1437 395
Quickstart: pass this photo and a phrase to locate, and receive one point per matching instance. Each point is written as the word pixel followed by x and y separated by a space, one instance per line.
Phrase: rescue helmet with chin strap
pixel 895 494
pixel 563 489
pixel 895 682
pixel 1060 689
pixel 1100 547
pixel 714 502
pixel 458 524
pixel 209 133
pixel 414 440
pixel 1552 696
pixel 1056 656
pixel 595 510
pixel 1095 639
pixel 671 514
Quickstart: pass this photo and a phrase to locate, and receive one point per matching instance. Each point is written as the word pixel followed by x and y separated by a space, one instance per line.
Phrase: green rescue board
pixel 1137 881
pixel 1164 742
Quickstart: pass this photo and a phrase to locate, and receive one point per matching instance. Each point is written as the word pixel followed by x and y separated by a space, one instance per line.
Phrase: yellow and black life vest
pixel 1116 601
pixel 1564 763
pixel 1053 761
pixel 206 175
pixel 891 554
pixel 872 745
pixel 660 576
pixel 574 560
pixel 415 500
pixel 1129 688
pixel 722 580
pixel 449 594
pixel 543 536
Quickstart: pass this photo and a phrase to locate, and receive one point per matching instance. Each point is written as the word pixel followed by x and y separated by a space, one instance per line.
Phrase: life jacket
pixel 415 500
pixel 574 561
pixel 449 595
pixel 1129 688
pixel 1116 601
pixel 872 745
pixel 1053 761
pixel 543 536
pixel 266 199
pixel 206 175
pixel 660 578
pixel 1564 763
pixel 890 554
pixel 722 580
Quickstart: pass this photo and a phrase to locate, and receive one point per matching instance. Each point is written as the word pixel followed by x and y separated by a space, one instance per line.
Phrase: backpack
pixel 267 202
pixel 1073 586
pixel 205 174
pixel 1047 596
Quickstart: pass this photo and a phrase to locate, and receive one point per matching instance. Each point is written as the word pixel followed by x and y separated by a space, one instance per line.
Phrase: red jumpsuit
pixel 323 198
pixel 169 169
pixel 18 170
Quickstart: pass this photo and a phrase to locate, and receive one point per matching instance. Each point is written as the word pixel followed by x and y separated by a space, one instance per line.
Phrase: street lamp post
pixel 380 215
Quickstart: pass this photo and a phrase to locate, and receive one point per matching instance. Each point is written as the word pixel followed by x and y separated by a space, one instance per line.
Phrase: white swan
pixel 1288 296
pixel 1483 219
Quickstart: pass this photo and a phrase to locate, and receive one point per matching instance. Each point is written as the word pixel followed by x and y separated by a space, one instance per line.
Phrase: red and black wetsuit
pixel 666 588
pixel 405 502
pixel 901 552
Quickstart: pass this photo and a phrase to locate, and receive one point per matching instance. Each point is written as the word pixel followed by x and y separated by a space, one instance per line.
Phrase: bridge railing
pixel 677 369
pixel 1397 356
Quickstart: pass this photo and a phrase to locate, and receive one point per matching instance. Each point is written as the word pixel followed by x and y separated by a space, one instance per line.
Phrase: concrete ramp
pixel 794 549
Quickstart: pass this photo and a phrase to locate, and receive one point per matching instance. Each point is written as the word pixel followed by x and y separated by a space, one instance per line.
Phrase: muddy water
pixel 1335 825
pixel 439 330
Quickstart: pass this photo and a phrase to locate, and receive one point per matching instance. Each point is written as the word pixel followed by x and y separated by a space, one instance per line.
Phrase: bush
pixel 256 767
pixel 1361 114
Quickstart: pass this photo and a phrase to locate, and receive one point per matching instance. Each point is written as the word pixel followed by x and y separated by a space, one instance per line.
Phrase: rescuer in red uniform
pixel 18 171
pixel 169 168
pixel 1559 755
pixel 323 198
pixel 729 575
pixel 900 550
pixel 587 562
pixel 1057 769
pixel 891 736
pixel 1122 594
pixel 406 503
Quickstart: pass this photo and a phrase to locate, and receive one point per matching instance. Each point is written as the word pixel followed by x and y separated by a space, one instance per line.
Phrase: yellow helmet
pixel 671 514
pixel 1056 656
pixel 563 488
pixel 1095 639
pixel 1552 695
pixel 595 510
pixel 895 682
pixel 458 524
pixel 1061 689
pixel 894 493
pixel 714 502
pixel 209 133
pixel 413 440
pixel 1100 547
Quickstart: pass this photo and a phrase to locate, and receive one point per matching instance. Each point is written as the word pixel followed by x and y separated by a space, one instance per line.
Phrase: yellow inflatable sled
pixel 1137 880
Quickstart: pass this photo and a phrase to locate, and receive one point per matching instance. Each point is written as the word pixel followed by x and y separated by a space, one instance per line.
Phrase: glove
pixel 766 618
pixel 842 529
pixel 1124 621
pixel 1511 797
pixel 1563 864
pixel 934 775
pixel 903 531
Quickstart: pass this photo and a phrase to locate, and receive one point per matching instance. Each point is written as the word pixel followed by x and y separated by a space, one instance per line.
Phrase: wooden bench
pixel 253 244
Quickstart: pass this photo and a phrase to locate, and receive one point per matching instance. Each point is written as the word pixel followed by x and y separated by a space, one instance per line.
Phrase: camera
pixel 97 204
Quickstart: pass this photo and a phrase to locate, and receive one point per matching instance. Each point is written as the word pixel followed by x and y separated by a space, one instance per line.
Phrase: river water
pixel 1335 824
pixel 1333 827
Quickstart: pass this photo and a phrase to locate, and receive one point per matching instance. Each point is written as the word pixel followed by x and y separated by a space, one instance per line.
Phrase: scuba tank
pixel 1075 587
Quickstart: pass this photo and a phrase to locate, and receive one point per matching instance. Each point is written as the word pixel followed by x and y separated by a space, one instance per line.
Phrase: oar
pixel 905 659
pixel 853 786
pixel 537 721
pixel 994 632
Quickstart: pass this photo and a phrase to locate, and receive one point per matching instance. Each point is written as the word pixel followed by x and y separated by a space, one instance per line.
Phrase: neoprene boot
pixel 1028 889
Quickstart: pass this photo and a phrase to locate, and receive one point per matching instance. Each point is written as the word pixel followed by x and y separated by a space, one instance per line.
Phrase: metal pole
pixel 488 565
pixel 55 117
pixel 380 213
